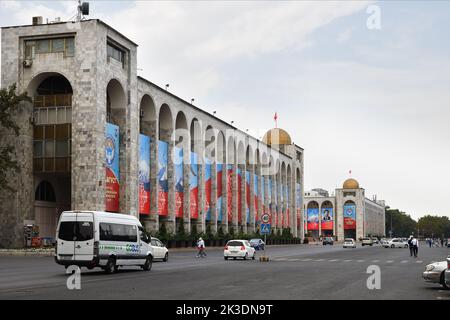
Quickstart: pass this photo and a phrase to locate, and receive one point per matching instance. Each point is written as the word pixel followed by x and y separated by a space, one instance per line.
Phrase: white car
pixel 238 249
pixel 395 243
pixel 349 243
pixel 435 273
pixel 159 250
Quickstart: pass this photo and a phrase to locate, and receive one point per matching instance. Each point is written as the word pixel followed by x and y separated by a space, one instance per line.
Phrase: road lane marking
pixel 319 260
pixel 348 260
pixel 404 261
pixel 334 260
pixel 360 260
pixel 389 261
pixel 375 261
pixel 420 261
pixel 305 260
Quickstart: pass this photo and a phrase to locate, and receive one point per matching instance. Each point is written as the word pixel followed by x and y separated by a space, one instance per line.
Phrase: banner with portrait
pixel 327 218
pixel 230 194
pixel 112 185
pixel 207 181
pixel 193 186
pixel 163 182
pixel 179 184
pixel 144 174
pixel 219 202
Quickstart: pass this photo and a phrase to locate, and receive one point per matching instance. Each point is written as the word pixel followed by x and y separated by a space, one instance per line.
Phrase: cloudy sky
pixel 373 101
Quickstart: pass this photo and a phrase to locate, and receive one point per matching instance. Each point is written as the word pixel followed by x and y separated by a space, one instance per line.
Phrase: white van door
pixel 66 237
pixel 84 243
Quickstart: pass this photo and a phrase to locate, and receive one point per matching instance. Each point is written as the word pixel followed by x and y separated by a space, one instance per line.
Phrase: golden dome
pixel 350 184
pixel 277 136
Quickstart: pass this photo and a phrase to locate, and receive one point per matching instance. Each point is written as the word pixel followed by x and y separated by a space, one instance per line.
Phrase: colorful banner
pixel 349 217
pixel 163 182
pixel 207 178
pixel 239 195
pixel 230 194
pixel 144 174
pixel 112 185
pixel 313 219
pixel 288 210
pixel 219 203
pixel 255 196
pixel 281 206
pixel 193 186
pixel 263 197
pixel 298 199
pixel 269 195
pixel 179 185
pixel 247 196
pixel 327 218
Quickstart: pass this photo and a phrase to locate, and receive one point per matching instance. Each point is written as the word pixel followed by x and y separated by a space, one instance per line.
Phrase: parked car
pixel 102 239
pixel 160 251
pixel 396 243
pixel 239 249
pixel 349 243
pixel 258 244
pixel 447 273
pixel 328 240
pixel 384 241
pixel 435 273
pixel 366 241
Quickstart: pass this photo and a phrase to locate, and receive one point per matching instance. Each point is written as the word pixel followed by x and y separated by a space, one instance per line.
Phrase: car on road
pixel 447 273
pixel 239 249
pixel 366 241
pixel 160 251
pixel 435 273
pixel 258 244
pixel 102 239
pixel 395 243
pixel 328 240
pixel 349 243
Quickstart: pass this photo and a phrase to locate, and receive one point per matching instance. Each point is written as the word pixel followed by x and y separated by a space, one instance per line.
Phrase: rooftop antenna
pixel 82 10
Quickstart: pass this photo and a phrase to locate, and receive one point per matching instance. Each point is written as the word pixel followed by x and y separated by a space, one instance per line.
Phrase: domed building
pixel 99 137
pixel 345 214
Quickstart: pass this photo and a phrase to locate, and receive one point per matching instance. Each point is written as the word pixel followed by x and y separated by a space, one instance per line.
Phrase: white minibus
pixel 102 239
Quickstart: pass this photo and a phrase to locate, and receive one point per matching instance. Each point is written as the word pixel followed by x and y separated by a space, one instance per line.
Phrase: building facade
pixel 348 214
pixel 99 137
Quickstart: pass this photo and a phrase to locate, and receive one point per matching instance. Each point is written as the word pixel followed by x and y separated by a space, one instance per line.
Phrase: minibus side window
pixel 118 232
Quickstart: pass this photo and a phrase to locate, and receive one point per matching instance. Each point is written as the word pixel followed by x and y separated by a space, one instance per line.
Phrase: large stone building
pixel 99 137
pixel 346 214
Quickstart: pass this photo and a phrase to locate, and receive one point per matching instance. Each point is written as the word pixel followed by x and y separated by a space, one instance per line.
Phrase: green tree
pixel 10 104
pixel 402 224
pixel 434 226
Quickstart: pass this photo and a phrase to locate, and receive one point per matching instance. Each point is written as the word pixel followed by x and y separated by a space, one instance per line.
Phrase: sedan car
pixel 447 273
pixel 328 240
pixel 258 244
pixel 159 250
pixel 395 243
pixel 349 243
pixel 239 249
pixel 367 242
pixel 435 273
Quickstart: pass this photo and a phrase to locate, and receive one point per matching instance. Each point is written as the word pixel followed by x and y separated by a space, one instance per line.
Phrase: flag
pixel 350 172
pixel 275 117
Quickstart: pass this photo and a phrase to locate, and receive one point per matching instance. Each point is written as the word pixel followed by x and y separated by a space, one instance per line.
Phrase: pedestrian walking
pixel 410 245
pixel 415 244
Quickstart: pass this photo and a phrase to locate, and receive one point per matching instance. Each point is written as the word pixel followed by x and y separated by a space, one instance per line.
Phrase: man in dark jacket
pixel 410 245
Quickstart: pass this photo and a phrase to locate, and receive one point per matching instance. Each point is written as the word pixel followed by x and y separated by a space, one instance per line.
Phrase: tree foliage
pixel 434 226
pixel 10 103
pixel 402 224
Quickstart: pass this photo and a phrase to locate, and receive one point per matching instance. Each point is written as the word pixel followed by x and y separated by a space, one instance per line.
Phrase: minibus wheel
pixel 111 266
pixel 148 264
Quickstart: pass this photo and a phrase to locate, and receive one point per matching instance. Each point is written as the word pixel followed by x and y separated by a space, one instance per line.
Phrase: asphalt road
pixel 294 272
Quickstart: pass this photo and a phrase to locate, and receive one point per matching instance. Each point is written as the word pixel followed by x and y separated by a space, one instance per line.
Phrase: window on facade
pixel 45 192
pixel 115 53
pixel 64 45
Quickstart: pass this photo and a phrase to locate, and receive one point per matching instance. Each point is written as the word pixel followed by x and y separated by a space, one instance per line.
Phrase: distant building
pixel 348 214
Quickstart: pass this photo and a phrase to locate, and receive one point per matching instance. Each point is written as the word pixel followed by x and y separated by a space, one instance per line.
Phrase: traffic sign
pixel 265 218
pixel 265 228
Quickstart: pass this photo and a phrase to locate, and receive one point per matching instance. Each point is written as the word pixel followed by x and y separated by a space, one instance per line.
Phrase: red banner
pixel 230 194
pixel 179 198
pixel 239 196
pixel 111 192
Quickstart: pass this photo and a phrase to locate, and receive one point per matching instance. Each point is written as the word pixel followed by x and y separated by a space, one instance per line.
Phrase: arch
pixel 181 130
pixel 196 135
pixel 220 147
pixel 39 78
pixel 249 156
pixel 147 115
pixel 115 103
pixel 165 123
pixel 210 146
pixel 241 153
pixel 231 151
pixel 45 192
